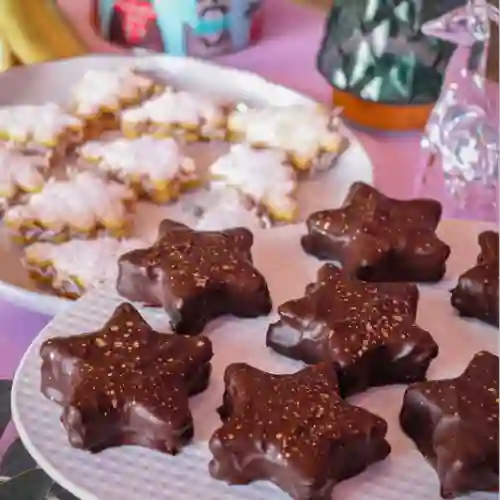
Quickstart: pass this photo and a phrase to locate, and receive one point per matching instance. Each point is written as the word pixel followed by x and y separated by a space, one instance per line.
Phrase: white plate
pixel 134 473
pixel 50 82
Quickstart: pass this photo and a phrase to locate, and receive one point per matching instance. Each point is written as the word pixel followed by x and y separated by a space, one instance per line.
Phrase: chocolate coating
pixel 366 330
pixel 476 294
pixel 454 424
pixel 293 430
pixel 126 383
pixel 377 238
pixel 196 276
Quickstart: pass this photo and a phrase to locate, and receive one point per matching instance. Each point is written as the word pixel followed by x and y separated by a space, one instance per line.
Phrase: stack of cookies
pixel 354 328
pixel 71 175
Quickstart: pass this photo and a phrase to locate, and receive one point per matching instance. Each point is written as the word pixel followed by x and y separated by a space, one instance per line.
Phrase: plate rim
pixel 83 494
pixel 45 303
pixel 38 457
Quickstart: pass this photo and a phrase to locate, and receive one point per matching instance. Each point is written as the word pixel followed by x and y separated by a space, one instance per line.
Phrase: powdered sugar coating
pixel 155 159
pixel 263 175
pixel 182 108
pixel 19 172
pixel 301 130
pixel 91 261
pixel 227 209
pixel 42 124
pixel 83 202
pixel 107 90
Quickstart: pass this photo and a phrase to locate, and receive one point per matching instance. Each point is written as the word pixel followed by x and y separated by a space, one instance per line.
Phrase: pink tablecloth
pixel 285 55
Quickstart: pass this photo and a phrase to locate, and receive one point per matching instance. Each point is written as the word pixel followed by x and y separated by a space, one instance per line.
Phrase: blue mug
pixel 201 28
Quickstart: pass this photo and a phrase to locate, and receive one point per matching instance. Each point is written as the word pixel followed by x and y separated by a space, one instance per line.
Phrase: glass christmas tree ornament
pixel 461 140
pixel 385 72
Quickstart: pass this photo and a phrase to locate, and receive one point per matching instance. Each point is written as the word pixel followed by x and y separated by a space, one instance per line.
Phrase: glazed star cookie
pixel 377 238
pixel 83 206
pixel 264 177
pixel 40 127
pixel 20 174
pixel 177 112
pixel 309 135
pixel 294 430
pixel 196 276
pixel 366 330
pixel 100 96
pixel 476 293
pixel 72 268
pixel 126 383
pixel 454 424
pixel 154 168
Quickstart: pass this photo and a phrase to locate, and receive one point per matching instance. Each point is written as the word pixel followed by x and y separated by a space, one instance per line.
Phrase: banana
pixel 37 31
pixel 7 57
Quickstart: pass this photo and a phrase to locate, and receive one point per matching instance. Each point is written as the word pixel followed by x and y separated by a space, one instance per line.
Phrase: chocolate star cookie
pixel 196 276
pixel 366 330
pixel 454 424
pixel 126 383
pixel 294 430
pixel 377 238
pixel 476 294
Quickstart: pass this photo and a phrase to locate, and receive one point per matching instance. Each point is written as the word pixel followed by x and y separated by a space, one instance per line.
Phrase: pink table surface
pixel 285 55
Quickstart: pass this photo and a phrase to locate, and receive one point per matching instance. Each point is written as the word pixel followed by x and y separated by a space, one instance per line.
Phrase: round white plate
pixel 50 82
pixel 135 473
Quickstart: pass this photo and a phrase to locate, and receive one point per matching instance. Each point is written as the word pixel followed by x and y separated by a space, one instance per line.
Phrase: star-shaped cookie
pixel 476 294
pixel 377 238
pixel 294 430
pixel 196 276
pixel 367 330
pixel 454 424
pixel 126 383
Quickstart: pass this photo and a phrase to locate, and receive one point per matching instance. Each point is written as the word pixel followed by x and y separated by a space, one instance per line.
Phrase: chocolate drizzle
pixel 126 383
pixel 366 330
pixel 476 293
pixel 293 430
pixel 377 238
pixel 454 424
pixel 196 276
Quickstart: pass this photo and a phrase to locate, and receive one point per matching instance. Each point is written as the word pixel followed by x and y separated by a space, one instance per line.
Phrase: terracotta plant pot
pixel 382 116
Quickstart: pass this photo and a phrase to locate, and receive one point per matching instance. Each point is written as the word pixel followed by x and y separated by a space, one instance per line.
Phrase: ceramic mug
pixel 200 28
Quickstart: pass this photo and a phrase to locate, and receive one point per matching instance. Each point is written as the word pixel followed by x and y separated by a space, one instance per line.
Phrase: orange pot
pixel 382 116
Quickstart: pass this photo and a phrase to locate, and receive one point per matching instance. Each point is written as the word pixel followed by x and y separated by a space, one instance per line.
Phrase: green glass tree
pixel 375 50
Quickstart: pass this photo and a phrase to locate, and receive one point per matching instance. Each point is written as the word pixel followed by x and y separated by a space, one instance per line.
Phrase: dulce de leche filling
pixel 195 115
pixel 306 133
pixel 83 206
pixel 73 267
pixel 155 168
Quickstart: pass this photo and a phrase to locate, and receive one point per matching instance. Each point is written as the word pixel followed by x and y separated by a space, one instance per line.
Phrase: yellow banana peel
pixel 7 57
pixel 36 31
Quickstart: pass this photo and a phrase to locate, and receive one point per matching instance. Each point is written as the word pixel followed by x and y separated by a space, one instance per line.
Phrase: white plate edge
pixel 47 304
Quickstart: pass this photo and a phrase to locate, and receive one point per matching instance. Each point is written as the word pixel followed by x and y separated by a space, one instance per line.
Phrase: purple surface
pixel 19 327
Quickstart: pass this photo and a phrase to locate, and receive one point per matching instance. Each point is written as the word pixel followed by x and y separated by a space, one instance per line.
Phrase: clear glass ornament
pixel 461 140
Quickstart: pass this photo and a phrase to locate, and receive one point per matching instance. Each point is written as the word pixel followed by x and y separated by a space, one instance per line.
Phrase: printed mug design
pixel 181 27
